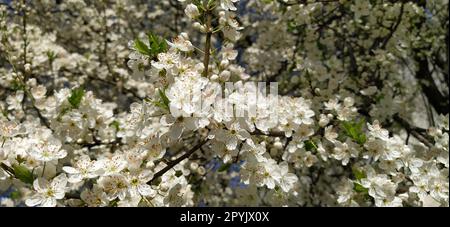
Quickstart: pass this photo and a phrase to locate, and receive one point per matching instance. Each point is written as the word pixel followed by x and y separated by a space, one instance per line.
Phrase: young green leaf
pixel 115 124
pixel 359 188
pixel 358 173
pixel 178 173
pixel 51 56
pixel 23 174
pixel 164 99
pixel 75 97
pixel 355 130
pixel 142 48
pixel 15 195
pixel 157 44
pixel 310 145
pixel 17 85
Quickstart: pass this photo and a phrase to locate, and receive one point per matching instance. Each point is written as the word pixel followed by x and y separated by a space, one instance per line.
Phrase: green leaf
pixel 142 48
pixel 178 173
pixel 359 188
pixel 76 96
pixel 115 124
pixel 224 167
pixel 160 105
pixel 23 174
pixel 310 145
pixel 355 130
pixel 17 85
pixel 358 173
pixel 164 99
pixel 15 195
pixel 51 56
pixel 157 44
pixel 113 203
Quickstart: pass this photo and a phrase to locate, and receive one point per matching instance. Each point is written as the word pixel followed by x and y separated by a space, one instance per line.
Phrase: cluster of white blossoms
pixel 182 122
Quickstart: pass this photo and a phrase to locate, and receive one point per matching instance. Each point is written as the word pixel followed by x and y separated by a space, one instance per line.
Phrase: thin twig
pixel 171 164
pixel 207 50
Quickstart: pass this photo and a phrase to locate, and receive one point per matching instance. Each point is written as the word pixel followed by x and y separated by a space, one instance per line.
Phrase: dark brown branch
pixel 122 89
pixel 394 27
pixel 417 132
pixel 41 117
pixel 429 87
pixel 97 142
pixel 171 164
pixel 7 169
pixel 258 132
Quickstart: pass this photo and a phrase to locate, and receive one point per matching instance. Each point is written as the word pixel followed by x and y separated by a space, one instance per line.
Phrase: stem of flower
pixel 43 169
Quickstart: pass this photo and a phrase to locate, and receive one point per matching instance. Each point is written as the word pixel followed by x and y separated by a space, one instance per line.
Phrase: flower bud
pixel 349 101
pixel 278 145
pixel 201 170
pixel 317 90
pixel 193 166
pixel 27 67
pixel 224 63
pixel 225 75
pixel 191 11
pixel 214 77
pixel 199 27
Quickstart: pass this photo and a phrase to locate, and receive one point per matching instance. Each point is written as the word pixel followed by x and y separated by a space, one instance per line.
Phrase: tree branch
pixel 176 161
pixel 207 50
pixel 429 87
pixel 417 132
pixel 258 132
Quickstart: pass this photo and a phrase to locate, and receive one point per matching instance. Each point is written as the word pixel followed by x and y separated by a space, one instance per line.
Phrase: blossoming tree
pixel 149 103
